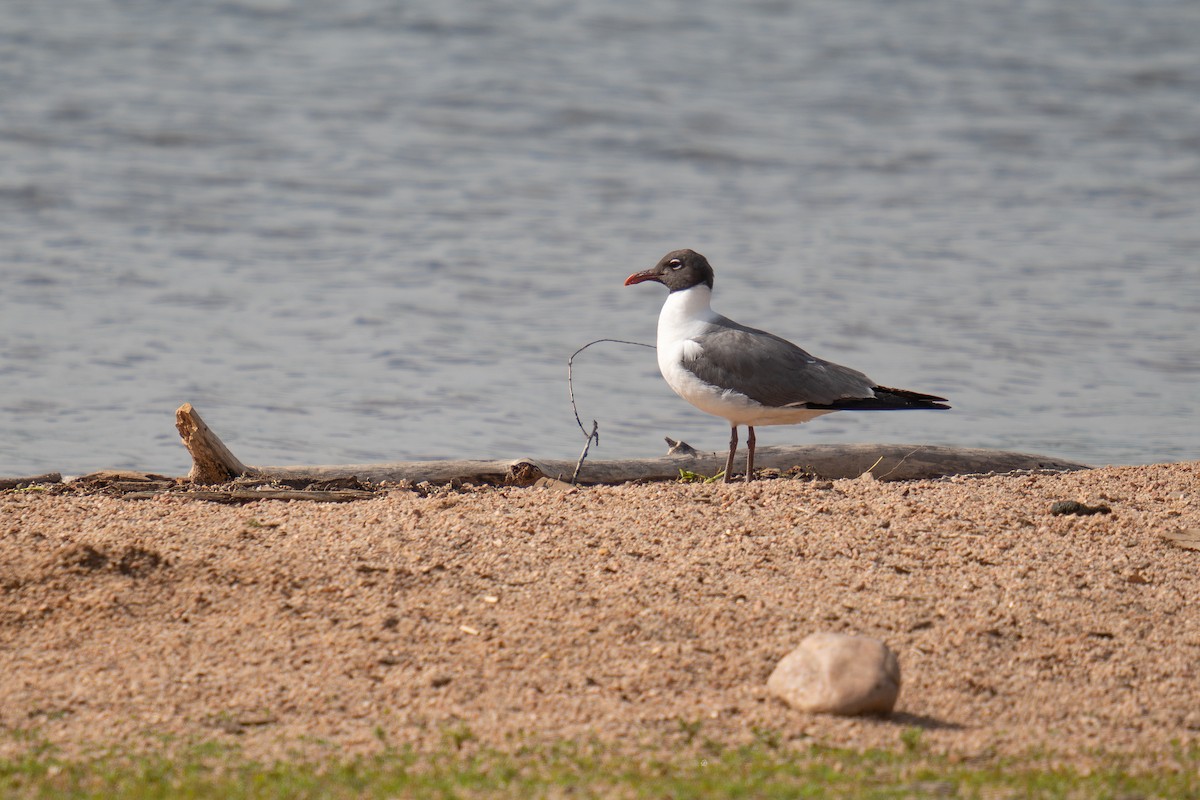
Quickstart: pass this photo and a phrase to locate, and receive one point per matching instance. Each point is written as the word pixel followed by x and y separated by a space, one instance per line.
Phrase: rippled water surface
pixel 368 231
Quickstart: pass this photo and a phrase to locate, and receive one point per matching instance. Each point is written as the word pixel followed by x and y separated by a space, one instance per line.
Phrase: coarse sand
pixel 636 615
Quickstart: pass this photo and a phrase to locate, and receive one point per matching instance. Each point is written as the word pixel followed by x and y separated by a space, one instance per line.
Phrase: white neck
pixel 685 313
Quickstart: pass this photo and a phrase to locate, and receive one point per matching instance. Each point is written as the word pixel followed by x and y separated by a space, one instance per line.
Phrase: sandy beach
pixel 632 615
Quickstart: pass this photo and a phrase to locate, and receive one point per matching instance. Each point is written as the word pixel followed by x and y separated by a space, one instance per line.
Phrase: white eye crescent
pixel 675 263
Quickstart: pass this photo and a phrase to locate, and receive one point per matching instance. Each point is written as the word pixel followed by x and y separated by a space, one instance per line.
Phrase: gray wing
pixel 771 370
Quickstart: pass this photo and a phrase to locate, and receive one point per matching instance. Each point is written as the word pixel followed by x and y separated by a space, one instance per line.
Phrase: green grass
pixel 763 770
pixel 687 476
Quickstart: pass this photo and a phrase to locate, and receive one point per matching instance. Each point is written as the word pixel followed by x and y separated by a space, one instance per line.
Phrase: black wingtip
pixel 888 399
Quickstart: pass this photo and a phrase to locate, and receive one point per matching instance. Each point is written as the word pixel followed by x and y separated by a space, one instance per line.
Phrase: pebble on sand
pixel 835 673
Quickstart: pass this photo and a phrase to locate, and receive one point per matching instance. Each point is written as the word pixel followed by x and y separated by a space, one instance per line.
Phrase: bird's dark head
pixel 678 270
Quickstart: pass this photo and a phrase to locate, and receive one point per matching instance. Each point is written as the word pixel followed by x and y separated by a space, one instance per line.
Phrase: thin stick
pixel 898 463
pixel 571 385
pixel 595 434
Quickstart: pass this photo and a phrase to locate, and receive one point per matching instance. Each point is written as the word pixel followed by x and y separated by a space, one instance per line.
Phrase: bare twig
pixel 595 433
pixel 571 385
pixel 898 463
pixel 873 466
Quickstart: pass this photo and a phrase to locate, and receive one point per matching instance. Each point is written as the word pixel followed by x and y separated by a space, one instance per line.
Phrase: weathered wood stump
pixel 211 460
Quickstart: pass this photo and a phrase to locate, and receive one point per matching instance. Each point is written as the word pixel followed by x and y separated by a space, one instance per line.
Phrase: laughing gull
pixel 747 376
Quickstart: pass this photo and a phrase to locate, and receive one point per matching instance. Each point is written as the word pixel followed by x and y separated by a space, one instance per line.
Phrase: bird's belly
pixel 733 406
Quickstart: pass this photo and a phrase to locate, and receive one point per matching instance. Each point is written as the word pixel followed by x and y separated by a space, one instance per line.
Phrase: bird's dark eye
pixel 675 263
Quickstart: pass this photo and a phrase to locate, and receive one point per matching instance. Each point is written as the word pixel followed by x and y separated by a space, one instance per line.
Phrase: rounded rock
pixel 836 673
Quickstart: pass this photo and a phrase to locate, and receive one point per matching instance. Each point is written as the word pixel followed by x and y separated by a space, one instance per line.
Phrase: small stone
pixel 675 448
pixel 835 673
pixel 1189 539
pixel 1076 508
pixel 555 485
pixel 1137 577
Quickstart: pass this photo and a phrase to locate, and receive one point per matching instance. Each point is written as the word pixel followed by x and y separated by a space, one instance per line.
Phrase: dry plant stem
pixel 594 435
pixel 570 379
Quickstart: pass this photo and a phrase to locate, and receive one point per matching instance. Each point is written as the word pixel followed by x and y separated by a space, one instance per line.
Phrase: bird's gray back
pixel 771 370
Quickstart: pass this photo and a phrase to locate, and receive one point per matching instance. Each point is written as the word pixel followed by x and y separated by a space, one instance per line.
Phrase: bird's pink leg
pixel 750 454
pixel 732 450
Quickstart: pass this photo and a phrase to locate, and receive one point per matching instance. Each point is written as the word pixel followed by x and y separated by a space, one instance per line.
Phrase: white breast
pixel 686 315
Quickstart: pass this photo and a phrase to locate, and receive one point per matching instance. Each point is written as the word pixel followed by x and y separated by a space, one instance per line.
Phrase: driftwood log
pixel 213 463
pixel 211 460
pixel 32 480
pixel 239 496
